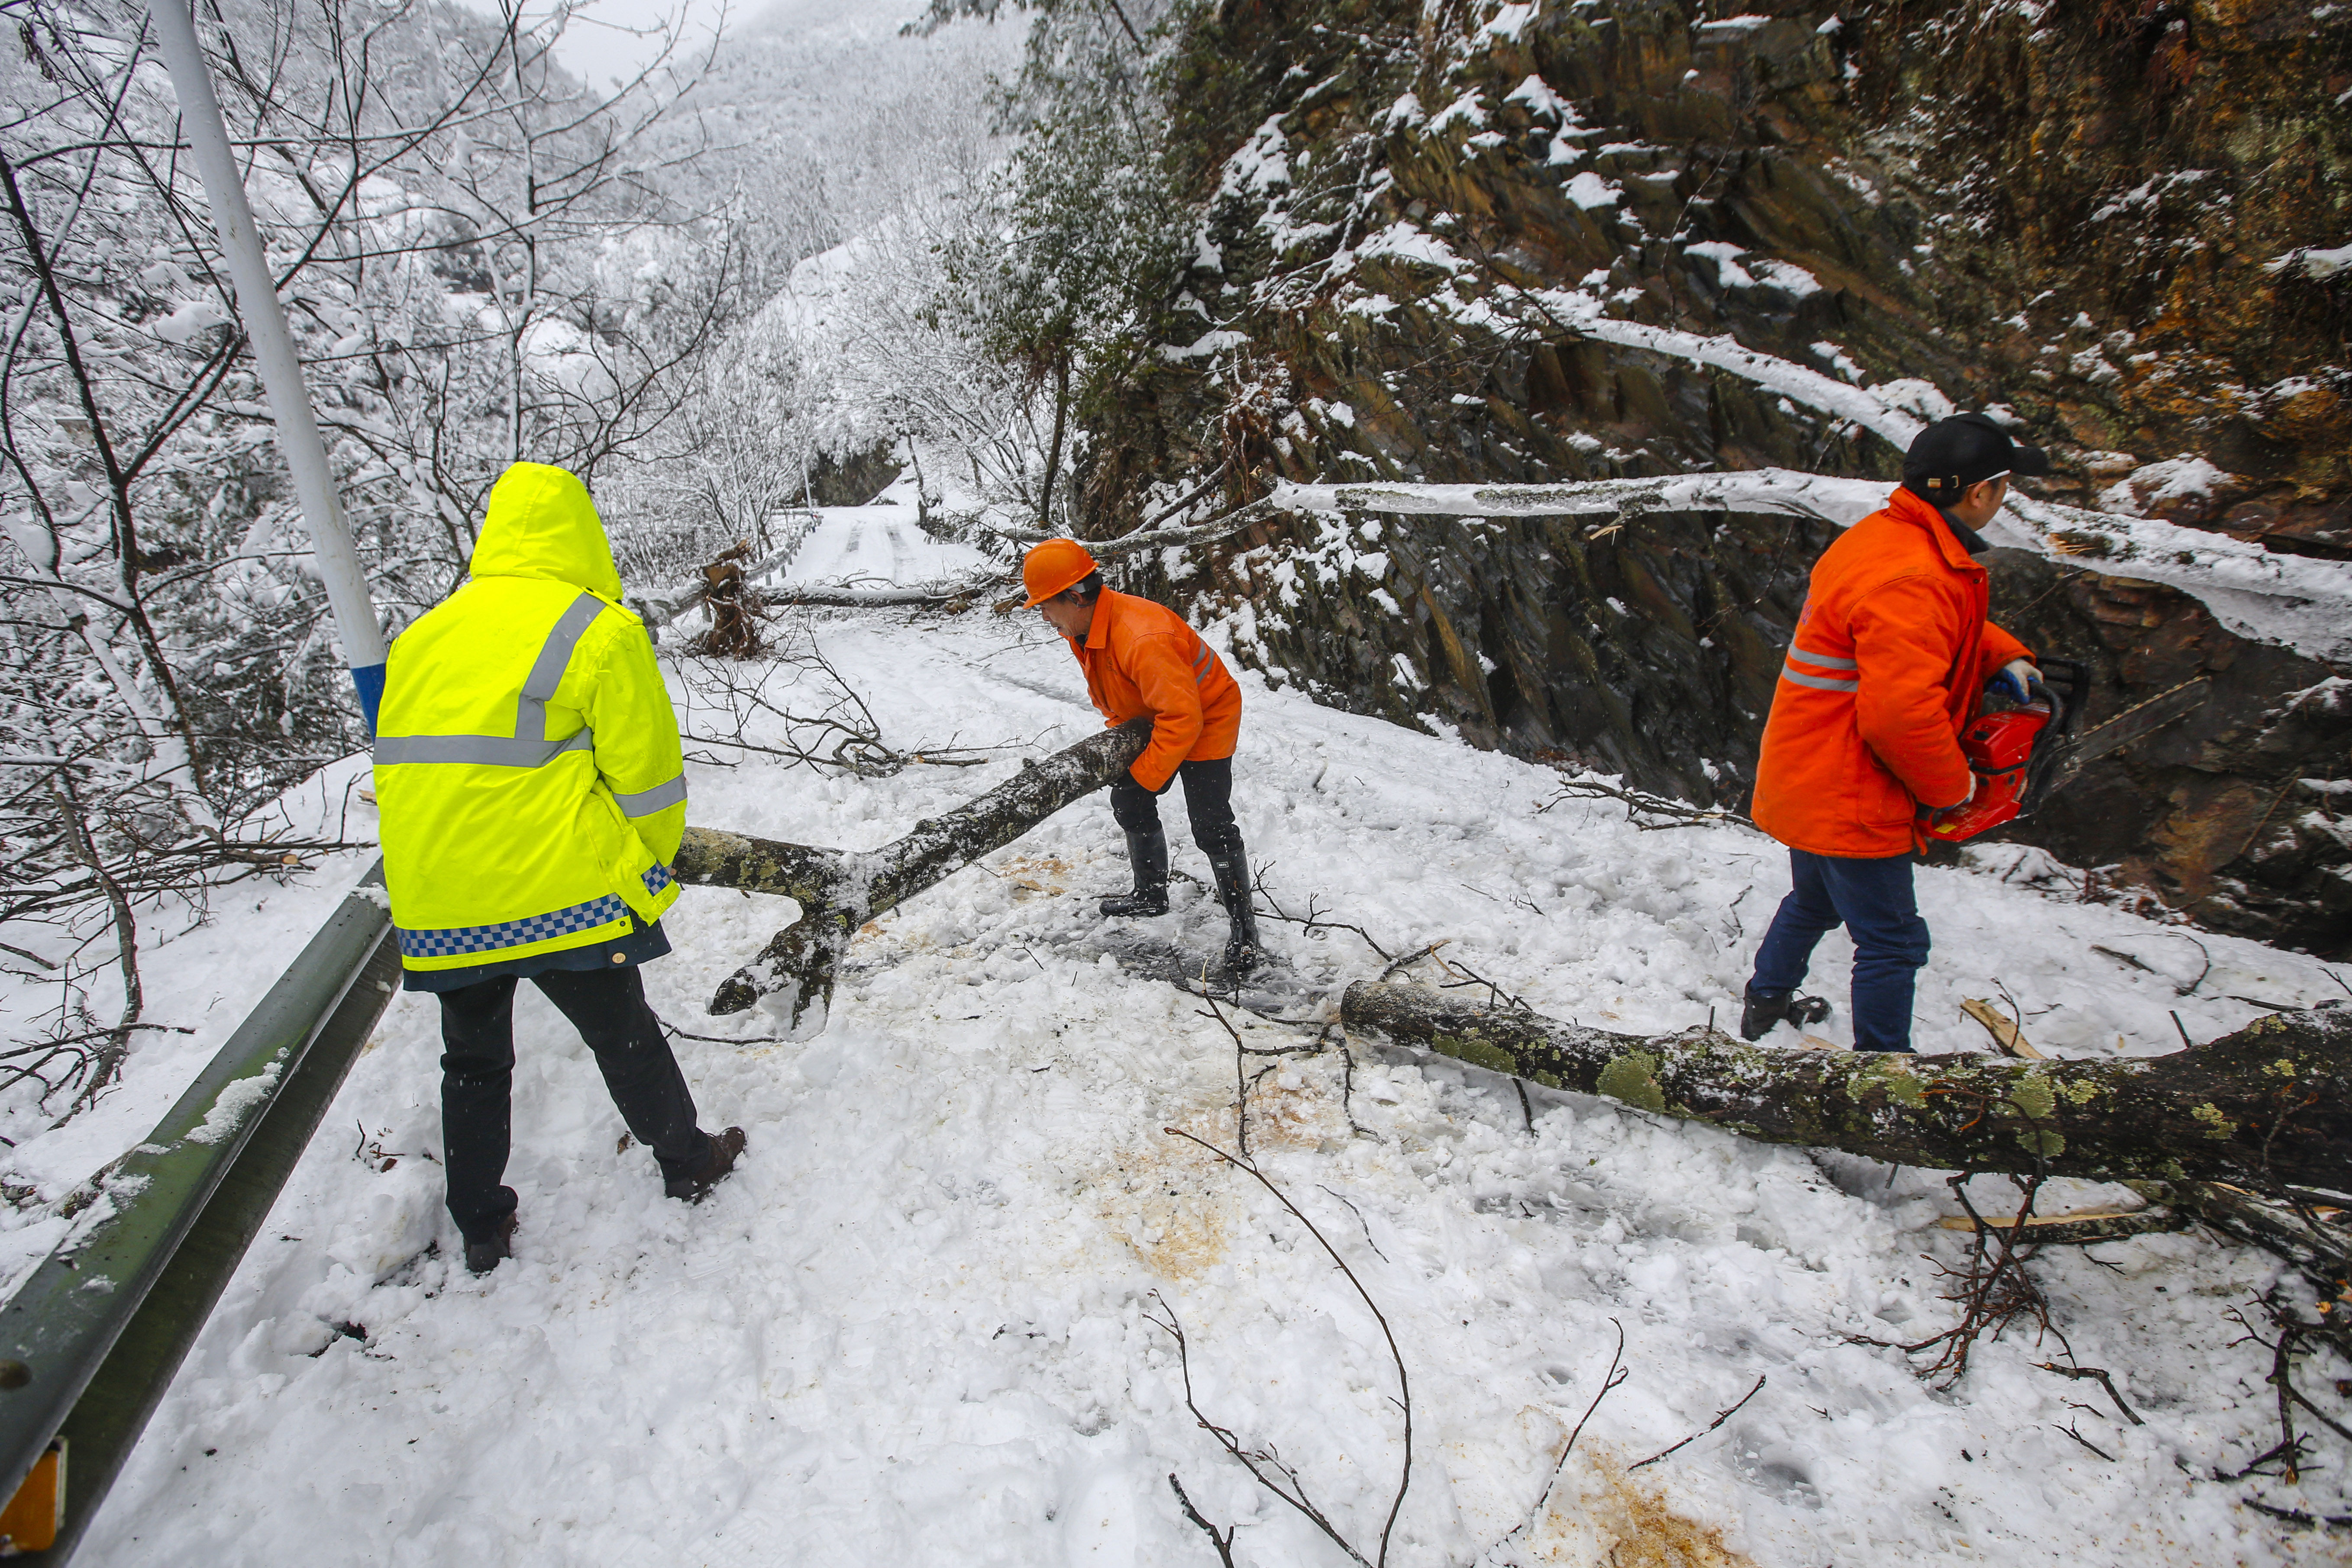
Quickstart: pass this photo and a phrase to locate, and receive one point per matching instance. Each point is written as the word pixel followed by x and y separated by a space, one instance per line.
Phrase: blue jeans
pixel 1873 900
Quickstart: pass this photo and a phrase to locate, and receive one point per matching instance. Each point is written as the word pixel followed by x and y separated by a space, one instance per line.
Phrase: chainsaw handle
pixel 2068 682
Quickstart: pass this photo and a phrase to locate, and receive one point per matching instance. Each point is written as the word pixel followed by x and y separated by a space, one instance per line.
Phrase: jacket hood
pixel 540 523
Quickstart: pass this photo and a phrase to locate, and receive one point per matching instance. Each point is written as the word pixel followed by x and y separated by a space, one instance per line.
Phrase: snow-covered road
pixel 914 1330
pixel 878 545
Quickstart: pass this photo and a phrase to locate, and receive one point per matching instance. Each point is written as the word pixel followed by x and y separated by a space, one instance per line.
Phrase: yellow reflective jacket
pixel 528 774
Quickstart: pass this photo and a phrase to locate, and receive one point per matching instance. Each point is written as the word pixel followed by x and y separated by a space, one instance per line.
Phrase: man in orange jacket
pixel 1891 655
pixel 1141 660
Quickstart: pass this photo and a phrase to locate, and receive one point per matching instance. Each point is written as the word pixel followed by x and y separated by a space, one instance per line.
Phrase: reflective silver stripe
pixel 1819 683
pixel 645 802
pixel 529 746
pixel 493 750
pixel 547 669
pixel 1203 664
pixel 1826 660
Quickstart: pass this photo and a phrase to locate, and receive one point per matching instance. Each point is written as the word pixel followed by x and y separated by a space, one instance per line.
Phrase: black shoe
pixel 1242 955
pixel 1759 1011
pixel 1231 870
pixel 1148 854
pixel 718 1160
pixel 483 1255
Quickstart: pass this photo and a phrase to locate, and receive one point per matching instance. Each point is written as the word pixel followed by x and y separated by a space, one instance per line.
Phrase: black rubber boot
pixel 1148 852
pixel 718 1162
pixel 1243 953
pixel 1760 1010
pixel 487 1254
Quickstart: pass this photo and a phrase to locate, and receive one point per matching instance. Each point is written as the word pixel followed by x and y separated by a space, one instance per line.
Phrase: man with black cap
pixel 1891 657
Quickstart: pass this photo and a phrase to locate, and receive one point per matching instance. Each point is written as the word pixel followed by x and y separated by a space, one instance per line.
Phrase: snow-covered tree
pixel 483 261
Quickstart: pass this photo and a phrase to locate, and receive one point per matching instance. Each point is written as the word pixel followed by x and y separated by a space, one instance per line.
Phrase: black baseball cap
pixel 1967 449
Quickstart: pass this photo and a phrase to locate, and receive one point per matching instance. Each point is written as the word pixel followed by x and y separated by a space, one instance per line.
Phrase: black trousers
pixel 608 1007
pixel 1208 800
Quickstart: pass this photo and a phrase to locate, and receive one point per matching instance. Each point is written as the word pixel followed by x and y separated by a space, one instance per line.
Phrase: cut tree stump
pixel 839 891
pixel 2268 1106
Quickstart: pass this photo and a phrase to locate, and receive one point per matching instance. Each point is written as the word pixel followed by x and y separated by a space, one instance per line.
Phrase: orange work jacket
pixel 1141 660
pixel 1888 665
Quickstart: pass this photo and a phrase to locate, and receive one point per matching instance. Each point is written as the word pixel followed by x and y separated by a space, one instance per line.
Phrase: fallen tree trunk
pixel 839 891
pixel 964 590
pixel 927 596
pixel 657 610
pixel 2268 1106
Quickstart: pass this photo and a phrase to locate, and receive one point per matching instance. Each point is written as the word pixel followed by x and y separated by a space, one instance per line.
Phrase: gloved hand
pixel 1948 810
pixel 2017 679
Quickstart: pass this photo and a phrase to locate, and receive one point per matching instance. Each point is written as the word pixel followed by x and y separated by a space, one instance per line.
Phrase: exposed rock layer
pixel 2102 220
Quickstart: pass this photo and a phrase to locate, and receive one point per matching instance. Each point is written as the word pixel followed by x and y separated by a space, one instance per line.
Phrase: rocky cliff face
pixel 2110 222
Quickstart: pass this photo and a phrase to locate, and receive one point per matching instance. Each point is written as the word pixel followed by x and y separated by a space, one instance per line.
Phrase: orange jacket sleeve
pixel 1173 698
pixel 1998 649
pixel 1902 655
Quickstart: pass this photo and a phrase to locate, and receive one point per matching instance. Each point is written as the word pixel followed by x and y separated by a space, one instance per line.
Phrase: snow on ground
pixel 915 1328
pixel 878 545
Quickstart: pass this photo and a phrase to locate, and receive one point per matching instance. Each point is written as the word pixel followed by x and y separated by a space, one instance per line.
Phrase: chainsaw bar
pixel 2132 723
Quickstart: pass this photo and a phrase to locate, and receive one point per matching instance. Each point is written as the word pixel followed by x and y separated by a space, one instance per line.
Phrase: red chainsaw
pixel 2020 754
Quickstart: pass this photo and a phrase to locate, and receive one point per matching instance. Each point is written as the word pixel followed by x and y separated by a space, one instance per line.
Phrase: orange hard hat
pixel 1052 567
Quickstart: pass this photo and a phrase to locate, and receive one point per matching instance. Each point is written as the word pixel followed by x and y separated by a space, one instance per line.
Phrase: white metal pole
pixel 273 350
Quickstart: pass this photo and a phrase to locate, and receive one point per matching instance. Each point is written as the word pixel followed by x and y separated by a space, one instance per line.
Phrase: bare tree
pixel 483 260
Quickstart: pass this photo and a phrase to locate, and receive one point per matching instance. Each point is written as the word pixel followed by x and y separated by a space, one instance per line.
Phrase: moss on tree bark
pixel 2264 1106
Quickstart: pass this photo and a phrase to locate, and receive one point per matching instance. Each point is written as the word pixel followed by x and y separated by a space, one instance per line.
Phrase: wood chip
pixel 2006 1035
pixel 1815 1043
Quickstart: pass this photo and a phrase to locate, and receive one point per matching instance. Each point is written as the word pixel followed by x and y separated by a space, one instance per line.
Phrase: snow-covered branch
pixel 2304 603
pixel 1779 491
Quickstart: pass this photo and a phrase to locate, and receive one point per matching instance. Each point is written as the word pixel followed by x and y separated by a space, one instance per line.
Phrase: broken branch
pixel 1720 1417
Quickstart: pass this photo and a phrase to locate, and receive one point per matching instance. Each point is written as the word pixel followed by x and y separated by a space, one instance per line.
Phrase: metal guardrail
pixel 90 1342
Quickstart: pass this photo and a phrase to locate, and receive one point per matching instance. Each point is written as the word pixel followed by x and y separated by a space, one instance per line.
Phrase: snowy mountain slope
pixel 822 104
pixel 913 1329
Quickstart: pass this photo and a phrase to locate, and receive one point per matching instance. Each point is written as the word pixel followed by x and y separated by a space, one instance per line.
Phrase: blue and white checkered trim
pixel 456 941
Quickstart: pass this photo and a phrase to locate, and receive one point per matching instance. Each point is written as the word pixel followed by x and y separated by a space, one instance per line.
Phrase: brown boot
pixel 717 1160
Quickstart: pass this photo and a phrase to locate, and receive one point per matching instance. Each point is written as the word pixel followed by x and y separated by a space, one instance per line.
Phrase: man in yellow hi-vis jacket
pixel 531 794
